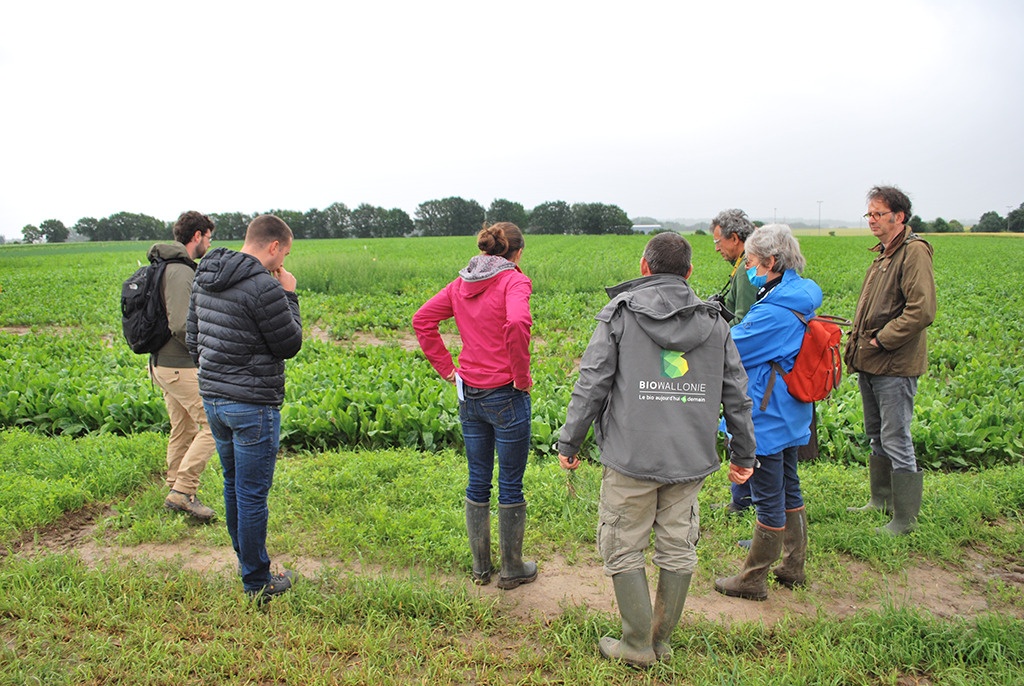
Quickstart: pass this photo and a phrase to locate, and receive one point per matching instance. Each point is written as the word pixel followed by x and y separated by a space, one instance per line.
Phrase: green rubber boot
pixel 668 606
pixel 478 526
pixel 907 488
pixel 880 478
pixel 752 581
pixel 794 550
pixel 634 599
pixel 511 527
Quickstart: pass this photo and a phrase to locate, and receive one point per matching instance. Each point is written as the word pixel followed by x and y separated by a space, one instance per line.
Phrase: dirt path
pixel 943 592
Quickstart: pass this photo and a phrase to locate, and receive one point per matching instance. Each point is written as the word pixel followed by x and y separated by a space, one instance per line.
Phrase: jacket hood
pixel 666 309
pixel 169 251
pixel 797 293
pixel 222 268
pixel 479 274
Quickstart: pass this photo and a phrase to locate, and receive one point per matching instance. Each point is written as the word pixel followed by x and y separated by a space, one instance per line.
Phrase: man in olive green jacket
pixel 888 349
pixel 190 444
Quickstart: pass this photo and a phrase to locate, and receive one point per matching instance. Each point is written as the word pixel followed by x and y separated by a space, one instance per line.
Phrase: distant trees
pixel 453 216
pixel 992 222
pixel 368 221
pixel 1015 220
pixel 52 230
pixel 230 226
pixel 31 233
pixel 123 226
pixel 502 210
pixel 550 218
pixel 597 218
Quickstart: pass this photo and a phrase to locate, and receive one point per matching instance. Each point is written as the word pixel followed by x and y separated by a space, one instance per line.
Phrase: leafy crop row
pixel 73 375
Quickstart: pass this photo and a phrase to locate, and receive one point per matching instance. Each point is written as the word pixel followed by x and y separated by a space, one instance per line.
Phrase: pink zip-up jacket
pixel 493 317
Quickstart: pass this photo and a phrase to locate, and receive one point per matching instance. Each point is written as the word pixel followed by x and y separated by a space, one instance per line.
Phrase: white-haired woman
pixel 768 339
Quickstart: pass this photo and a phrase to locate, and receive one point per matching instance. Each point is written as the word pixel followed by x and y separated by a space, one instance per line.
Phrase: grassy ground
pixel 391 604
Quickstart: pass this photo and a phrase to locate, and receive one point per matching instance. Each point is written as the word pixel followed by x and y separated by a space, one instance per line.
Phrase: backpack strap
pixel 777 371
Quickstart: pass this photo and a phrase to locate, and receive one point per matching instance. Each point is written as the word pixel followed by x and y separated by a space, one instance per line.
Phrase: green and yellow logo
pixel 673 364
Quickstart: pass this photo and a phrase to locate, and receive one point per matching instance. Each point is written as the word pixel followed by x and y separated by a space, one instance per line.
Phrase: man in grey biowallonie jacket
pixel 660 366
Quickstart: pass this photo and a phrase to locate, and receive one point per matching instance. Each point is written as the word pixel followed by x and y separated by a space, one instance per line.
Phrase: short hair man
pixel 730 230
pixel 190 444
pixel 659 367
pixel 887 347
pixel 243 324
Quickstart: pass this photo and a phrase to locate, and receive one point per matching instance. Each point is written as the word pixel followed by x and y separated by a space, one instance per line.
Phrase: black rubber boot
pixel 794 550
pixel 907 489
pixel 511 527
pixel 478 526
pixel 752 581
pixel 668 606
pixel 880 478
pixel 634 599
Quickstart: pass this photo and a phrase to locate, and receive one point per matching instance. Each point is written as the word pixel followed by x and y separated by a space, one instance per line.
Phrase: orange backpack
pixel 819 363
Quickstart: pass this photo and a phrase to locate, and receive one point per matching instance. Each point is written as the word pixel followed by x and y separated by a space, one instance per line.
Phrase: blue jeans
pixel 888 409
pixel 775 487
pixel 502 420
pixel 740 495
pixel 247 439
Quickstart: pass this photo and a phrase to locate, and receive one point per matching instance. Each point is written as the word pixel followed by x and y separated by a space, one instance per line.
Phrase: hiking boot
pixel 190 504
pixel 279 583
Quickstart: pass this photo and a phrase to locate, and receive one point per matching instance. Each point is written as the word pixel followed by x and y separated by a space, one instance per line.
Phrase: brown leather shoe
pixel 190 504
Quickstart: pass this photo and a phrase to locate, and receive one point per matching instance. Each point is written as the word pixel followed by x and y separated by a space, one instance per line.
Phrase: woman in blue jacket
pixel 768 339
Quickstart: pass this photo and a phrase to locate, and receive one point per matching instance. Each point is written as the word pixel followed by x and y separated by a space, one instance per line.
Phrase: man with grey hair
pixel 731 229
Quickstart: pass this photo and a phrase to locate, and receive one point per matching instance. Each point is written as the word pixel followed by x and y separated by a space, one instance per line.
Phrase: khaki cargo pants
pixel 631 508
pixel 191 444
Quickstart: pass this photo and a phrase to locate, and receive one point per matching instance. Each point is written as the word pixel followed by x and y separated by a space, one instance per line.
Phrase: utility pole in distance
pixel 819 217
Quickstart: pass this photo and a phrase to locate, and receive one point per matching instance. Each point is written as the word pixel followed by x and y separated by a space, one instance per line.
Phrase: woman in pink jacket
pixel 491 304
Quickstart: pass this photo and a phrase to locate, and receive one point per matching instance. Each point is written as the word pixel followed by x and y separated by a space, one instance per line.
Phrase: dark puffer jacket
pixel 242 326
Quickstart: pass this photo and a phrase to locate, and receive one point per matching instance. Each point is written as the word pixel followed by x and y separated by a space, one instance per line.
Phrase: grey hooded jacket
pixel 659 367
pixel 242 326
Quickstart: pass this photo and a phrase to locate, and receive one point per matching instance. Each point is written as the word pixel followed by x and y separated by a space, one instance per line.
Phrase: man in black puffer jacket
pixel 243 323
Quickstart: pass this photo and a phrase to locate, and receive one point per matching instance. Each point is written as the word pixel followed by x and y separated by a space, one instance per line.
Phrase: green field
pixel 368 496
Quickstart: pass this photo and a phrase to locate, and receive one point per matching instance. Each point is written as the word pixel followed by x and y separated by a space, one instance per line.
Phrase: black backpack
pixel 143 315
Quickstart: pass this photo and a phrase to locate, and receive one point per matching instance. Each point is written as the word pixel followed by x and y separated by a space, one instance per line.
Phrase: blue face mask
pixel 755 280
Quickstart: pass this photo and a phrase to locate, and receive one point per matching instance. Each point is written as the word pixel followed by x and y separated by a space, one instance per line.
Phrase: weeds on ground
pixel 151 623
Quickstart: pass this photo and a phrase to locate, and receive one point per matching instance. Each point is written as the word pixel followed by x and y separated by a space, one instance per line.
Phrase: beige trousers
pixel 191 444
pixel 631 508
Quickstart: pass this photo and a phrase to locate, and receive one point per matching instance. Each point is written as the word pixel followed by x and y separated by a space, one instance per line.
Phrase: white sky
pixel 670 109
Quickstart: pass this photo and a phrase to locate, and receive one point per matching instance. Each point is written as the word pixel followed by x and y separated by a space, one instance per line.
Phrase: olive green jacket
pixel 741 294
pixel 896 306
pixel 176 290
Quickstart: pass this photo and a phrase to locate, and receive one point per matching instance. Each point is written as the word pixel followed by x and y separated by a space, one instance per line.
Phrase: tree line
pixel 452 216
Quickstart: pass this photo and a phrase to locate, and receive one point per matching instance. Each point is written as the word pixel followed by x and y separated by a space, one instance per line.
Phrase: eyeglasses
pixel 876 215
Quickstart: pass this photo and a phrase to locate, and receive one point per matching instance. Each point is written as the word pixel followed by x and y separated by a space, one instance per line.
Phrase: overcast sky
pixel 667 109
